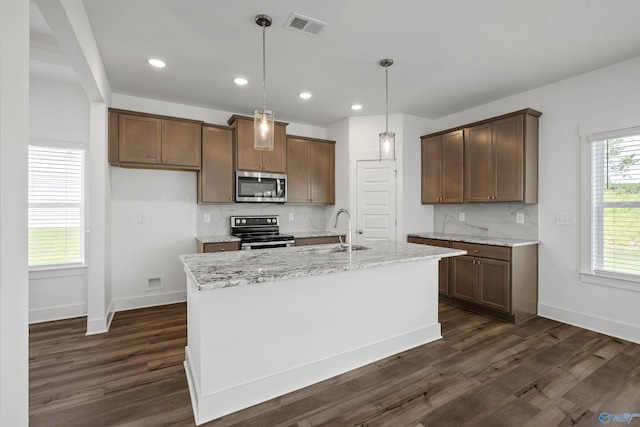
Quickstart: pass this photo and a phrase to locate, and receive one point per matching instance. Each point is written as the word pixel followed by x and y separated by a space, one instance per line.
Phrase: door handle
pixel 360 232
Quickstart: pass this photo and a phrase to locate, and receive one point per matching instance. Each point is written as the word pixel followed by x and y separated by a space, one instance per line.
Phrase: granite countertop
pixel 241 268
pixel 484 240
pixel 221 238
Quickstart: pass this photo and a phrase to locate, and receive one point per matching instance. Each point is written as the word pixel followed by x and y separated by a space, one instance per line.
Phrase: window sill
pixel 49 272
pixel 611 281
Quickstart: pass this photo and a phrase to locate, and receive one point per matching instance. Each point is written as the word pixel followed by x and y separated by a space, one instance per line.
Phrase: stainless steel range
pixel 259 232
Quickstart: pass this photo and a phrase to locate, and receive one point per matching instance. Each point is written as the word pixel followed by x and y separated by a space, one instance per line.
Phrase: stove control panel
pixel 255 221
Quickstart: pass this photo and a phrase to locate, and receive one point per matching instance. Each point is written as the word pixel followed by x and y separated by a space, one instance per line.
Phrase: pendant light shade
pixel 387 139
pixel 263 122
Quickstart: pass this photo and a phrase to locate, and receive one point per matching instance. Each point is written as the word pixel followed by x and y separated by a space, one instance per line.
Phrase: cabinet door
pixel 139 139
pixel 508 160
pixel 276 160
pixel 478 180
pixel 463 277
pixel 322 173
pixel 493 284
pixel 452 169
pixel 298 170
pixel 181 143
pixel 431 169
pixel 247 159
pixel 215 178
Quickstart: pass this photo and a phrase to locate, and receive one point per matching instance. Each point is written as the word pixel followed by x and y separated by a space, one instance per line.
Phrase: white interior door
pixel 375 200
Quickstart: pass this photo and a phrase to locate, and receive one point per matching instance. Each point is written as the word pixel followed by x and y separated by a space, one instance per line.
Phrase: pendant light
pixel 387 139
pixel 263 121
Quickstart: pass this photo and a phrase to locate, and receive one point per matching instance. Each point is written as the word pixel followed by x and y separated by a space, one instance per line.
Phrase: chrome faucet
pixel 335 225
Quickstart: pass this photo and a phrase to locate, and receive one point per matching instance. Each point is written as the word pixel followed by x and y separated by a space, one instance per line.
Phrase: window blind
pixel 56 206
pixel 616 205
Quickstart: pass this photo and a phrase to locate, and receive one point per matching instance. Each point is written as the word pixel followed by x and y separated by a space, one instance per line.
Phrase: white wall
pixel 416 217
pixel 153 222
pixel 339 132
pixel 608 92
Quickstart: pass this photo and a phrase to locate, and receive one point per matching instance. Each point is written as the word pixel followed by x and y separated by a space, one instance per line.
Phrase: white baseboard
pixel 593 323
pixel 123 304
pixel 49 314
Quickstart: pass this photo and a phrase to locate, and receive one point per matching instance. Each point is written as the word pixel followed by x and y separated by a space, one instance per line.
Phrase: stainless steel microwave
pixel 261 187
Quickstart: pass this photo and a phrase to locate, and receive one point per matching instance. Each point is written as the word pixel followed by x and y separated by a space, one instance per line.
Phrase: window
pixel 615 204
pixel 56 207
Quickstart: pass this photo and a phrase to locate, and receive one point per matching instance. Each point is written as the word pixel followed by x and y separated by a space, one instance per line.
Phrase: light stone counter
pixel 483 240
pixel 222 238
pixel 241 268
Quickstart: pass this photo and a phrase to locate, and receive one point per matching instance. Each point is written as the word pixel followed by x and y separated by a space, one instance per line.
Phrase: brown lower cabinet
pixel 501 281
pixel 218 247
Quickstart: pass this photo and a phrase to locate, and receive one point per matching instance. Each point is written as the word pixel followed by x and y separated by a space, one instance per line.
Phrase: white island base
pixel 250 344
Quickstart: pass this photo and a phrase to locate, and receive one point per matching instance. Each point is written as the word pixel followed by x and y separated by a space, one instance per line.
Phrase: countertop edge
pixel 494 241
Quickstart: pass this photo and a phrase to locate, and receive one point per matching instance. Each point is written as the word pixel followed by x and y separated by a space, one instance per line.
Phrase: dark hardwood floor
pixel 484 372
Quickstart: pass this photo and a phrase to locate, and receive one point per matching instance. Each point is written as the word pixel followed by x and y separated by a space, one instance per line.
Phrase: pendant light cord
pixel 264 71
pixel 386 73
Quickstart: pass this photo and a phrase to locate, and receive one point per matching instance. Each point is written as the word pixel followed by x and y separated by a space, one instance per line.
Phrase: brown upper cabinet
pixel 249 159
pixel 139 140
pixel 500 161
pixel 442 168
pixel 310 170
pixel 215 178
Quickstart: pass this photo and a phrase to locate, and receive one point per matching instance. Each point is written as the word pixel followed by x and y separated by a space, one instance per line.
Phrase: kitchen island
pixel 263 323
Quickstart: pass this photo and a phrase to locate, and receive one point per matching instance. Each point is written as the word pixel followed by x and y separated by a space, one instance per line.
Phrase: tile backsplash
pixel 488 219
pixel 305 218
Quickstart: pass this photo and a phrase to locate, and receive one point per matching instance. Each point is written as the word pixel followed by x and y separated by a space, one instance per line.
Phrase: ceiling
pixel 449 55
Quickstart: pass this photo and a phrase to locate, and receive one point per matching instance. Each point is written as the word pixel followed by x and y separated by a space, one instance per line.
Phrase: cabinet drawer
pixel 221 247
pixel 484 251
pixel 430 242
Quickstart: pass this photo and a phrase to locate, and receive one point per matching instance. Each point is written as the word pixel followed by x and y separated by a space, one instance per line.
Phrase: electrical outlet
pixel 461 216
pixel 565 219
pixel 207 217
pixel 141 219
pixel 290 216
pixel 520 218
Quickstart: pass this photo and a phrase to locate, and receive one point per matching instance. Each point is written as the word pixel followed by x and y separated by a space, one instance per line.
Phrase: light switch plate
pixel 520 218
pixel 565 219
pixel 461 216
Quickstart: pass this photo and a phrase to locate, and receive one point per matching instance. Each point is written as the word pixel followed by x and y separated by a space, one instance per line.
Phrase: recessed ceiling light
pixel 305 95
pixel 240 81
pixel 356 106
pixel 158 63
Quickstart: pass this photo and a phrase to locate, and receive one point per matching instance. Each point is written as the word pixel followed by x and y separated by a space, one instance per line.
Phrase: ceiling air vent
pixel 304 24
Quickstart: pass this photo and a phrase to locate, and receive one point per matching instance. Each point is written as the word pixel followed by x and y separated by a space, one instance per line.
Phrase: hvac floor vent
pixel 304 24
pixel 154 283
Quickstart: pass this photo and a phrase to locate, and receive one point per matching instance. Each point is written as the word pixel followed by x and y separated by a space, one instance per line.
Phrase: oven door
pixel 261 187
